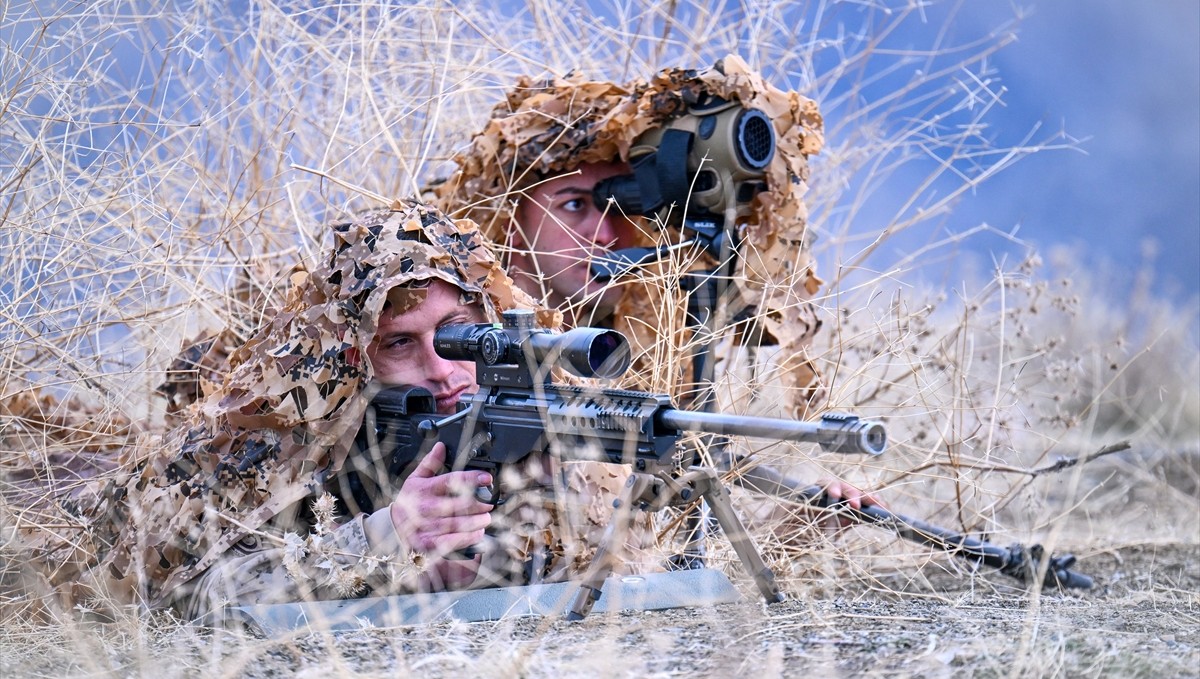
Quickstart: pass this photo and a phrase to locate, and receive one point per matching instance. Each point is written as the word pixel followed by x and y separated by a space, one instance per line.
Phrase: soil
pixel 1142 619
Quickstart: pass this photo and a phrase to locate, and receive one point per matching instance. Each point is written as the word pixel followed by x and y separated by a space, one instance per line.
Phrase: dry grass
pixel 156 159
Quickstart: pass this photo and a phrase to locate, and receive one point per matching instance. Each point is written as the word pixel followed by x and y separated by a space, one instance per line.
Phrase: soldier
pixel 558 230
pixel 529 179
pixel 246 501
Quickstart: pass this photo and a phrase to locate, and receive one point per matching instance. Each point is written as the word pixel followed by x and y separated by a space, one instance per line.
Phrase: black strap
pixel 673 179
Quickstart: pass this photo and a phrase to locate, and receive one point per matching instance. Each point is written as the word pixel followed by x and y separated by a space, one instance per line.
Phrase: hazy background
pixel 1123 79
pixel 1118 81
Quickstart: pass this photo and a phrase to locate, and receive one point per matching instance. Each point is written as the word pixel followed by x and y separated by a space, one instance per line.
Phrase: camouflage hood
pixel 545 127
pixel 550 126
pixel 300 368
pixel 283 420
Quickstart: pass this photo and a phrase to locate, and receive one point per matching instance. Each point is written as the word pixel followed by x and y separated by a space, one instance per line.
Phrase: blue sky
pixel 1121 78
pixel 1124 79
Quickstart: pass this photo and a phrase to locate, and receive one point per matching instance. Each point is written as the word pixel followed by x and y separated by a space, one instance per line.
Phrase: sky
pixel 1123 79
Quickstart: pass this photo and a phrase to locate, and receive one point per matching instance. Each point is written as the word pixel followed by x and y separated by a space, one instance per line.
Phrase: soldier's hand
pixel 839 491
pixel 437 513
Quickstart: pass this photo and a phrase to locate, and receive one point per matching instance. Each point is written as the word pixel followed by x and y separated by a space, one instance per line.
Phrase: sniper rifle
pixel 519 411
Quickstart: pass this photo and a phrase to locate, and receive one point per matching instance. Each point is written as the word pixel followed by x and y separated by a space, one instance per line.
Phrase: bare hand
pixel 437 514
pixel 839 491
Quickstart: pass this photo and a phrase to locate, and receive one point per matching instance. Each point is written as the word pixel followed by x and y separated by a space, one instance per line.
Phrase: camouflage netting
pixel 278 425
pixel 552 126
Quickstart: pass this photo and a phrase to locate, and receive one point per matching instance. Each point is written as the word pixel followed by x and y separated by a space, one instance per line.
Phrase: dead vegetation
pixel 166 166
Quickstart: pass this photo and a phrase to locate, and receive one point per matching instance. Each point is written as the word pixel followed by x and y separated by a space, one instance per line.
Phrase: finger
pixel 460 483
pixel 869 499
pixel 853 497
pixel 445 543
pixel 432 463
pixel 433 506
pixel 833 491
pixel 425 516
pixel 449 525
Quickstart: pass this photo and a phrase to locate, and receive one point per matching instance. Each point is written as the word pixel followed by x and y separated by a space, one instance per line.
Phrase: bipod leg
pixel 614 538
pixel 708 484
pixel 692 556
pixel 697 522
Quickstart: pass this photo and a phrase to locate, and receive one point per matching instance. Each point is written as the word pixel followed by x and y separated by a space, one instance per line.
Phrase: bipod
pixel 651 493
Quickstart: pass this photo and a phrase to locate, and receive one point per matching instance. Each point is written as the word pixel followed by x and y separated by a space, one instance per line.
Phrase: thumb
pixel 431 465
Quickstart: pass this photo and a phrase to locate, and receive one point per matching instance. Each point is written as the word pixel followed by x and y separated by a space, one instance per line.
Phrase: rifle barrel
pixel 837 433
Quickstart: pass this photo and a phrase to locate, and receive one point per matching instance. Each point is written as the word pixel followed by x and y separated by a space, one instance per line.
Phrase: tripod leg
pixel 710 487
pixel 614 538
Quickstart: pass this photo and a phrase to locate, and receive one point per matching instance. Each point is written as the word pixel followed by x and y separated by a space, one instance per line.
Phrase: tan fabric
pixel 564 525
pixel 343 563
pixel 547 127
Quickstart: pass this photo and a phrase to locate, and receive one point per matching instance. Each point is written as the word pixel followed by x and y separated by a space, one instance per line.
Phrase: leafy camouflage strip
pixel 282 421
pixel 547 127
pixel 198 370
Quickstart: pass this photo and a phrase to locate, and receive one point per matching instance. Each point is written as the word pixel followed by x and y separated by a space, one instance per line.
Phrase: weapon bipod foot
pixel 650 492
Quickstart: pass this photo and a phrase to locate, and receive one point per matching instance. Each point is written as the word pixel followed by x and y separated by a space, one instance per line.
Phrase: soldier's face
pixel 560 230
pixel 402 351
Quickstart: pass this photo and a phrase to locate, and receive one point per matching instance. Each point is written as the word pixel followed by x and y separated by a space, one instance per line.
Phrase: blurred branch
pixel 1058 465
pixel 1068 462
pixel 345 185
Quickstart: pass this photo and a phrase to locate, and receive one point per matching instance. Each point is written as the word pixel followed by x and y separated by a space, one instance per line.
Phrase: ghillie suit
pixel 232 506
pixel 198 370
pixel 548 127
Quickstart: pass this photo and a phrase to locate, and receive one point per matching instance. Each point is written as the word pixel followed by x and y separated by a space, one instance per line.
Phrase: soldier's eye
pixel 574 205
pixel 399 342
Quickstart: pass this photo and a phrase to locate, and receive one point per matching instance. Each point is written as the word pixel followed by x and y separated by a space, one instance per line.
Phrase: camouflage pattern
pixel 218 496
pixel 199 369
pixel 547 127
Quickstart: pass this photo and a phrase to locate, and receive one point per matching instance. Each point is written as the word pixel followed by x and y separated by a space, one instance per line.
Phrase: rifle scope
pixel 586 352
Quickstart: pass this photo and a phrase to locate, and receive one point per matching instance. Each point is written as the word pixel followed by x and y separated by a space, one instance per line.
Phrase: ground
pixel 1142 619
